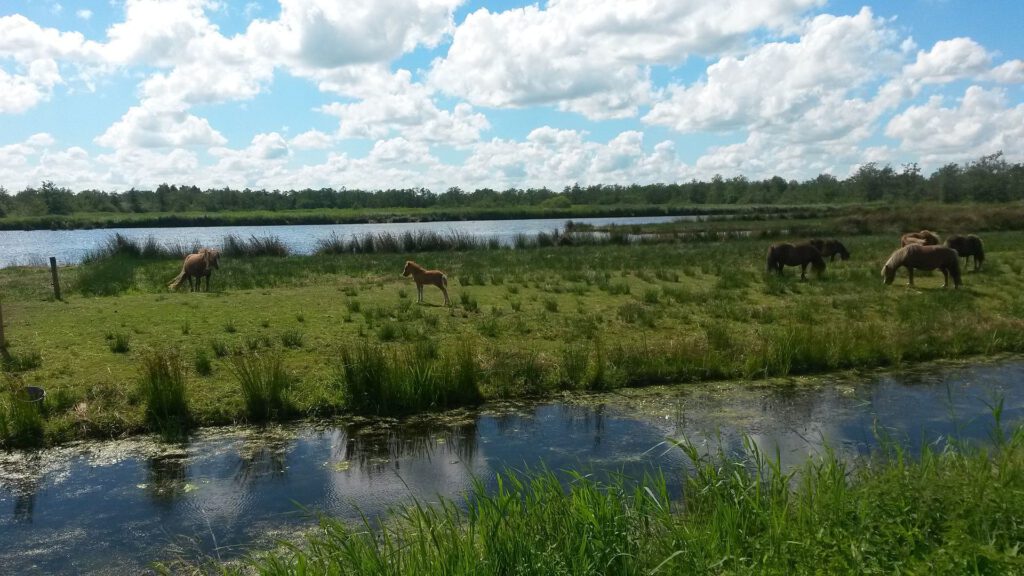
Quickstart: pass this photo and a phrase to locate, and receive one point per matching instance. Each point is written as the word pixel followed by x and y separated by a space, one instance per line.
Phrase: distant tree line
pixel 989 179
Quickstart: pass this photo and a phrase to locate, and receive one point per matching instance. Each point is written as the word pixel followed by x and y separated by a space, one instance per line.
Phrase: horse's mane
pixel 414 266
pixel 209 255
pixel 899 256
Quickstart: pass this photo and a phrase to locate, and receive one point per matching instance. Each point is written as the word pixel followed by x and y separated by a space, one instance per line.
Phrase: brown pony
pixel 967 246
pixel 830 248
pixel 920 257
pixel 423 276
pixel 801 255
pixel 198 266
pixel 924 238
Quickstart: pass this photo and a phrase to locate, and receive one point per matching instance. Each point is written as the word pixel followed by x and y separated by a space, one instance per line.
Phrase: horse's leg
pixel 910 274
pixel 207 281
pixel 444 290
pixel 803 271
pixel 945 277
pixel 419 293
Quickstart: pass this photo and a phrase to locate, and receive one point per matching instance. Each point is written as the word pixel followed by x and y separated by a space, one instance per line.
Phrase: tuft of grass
pixel 378 381
pixel 22 361
pixel 220 349
pixel 204 367
pixel 265 384
pixel 162 387
pixel 237 247
pixel 468 302
pixel 551 305
pixel 21 420
pixel 292 339
pixel 119 343
pixel 230 327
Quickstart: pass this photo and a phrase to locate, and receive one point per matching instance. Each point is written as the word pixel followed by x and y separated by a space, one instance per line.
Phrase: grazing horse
pixel 920 257
pixel 423 276
pixel 198 266
pixel 801 255
pixel 967 246
pixel 830 248
pixel 924 238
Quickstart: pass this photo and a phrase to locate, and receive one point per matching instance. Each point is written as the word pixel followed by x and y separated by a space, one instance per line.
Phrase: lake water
pixel 113 507
pixel 34 247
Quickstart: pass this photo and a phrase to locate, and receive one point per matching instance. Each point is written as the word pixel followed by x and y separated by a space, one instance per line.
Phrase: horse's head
pixel 844 254
pixel 211 258
pixel 409 264
pixel 888 274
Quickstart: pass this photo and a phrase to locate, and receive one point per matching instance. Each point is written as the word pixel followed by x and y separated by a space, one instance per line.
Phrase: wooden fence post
pixel 3 338
pixel 56 280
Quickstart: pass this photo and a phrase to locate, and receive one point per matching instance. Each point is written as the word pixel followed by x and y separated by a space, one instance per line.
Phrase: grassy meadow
pixel 295 336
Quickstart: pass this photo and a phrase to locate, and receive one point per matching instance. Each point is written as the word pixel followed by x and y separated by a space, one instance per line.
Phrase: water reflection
pixel 260 458
pixel 168 478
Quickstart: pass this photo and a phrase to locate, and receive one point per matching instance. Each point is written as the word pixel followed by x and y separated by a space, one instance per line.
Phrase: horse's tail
pixel 770 260
pixel 979 253
pixel 178 280
pixel 444 280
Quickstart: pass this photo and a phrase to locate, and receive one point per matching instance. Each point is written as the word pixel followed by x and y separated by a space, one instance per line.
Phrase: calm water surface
pixel 30 247
pixel 113 507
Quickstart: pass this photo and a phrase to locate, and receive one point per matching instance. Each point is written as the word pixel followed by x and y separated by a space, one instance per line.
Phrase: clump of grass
pixel 120 343
pixel 379 381
pixel 388 332
pixel 230 327
pixel 21 361
pixel 204 367
pixel 162 387
pixel 652 295
pixel 300 317
pixel 572 371
pixel 468 302
pixel 265 323
pixel 265 384
pixel 292 338
pixel 21 420
pixel 186 328
pixel 551 305
pixel 220 349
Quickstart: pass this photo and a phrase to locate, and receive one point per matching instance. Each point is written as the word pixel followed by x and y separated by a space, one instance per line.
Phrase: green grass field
pixel 348 334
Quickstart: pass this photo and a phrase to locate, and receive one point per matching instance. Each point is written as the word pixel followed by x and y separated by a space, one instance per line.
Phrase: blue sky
pixel 439 93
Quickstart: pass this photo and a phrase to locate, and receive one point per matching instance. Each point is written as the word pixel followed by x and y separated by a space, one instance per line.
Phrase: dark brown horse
pixel 830 249
pixel 924 238
pixel 198 266
pixel 920 257
pixel 967 246
pixel 801 255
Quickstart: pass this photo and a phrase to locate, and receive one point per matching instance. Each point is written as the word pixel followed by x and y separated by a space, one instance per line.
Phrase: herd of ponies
pixel 917 251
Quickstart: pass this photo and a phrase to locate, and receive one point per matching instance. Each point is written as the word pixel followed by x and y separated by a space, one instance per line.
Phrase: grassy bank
pixel 951 511
pixel 338 332
pixel 363 215
pixel 844 221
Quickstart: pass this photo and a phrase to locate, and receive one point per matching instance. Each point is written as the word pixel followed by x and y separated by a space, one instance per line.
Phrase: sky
pixel 377 94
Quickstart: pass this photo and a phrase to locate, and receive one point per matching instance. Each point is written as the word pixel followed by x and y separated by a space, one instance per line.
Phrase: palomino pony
pixel 920 257
pixel 967 246
pixel 423 276
pixel 830 248
pixel 924 238
pixel 801 255
pixel 198 266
